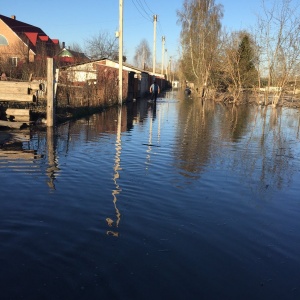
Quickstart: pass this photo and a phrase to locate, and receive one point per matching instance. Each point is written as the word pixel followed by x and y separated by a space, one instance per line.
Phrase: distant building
pixel 70 57
pixel 105 71
pixel 22 42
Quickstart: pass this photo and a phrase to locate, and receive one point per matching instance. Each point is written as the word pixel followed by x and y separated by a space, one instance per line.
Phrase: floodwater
pixel 181 200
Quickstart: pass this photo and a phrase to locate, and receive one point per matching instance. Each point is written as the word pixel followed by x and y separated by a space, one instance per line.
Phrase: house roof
pixel 20 27
pixel 44 38
pixel 32 37
pixel 24 30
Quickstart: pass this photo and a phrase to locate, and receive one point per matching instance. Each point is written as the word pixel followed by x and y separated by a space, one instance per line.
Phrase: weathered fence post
pixel 50 92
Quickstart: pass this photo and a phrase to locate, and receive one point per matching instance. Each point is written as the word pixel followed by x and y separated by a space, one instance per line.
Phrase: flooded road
pixel 174 201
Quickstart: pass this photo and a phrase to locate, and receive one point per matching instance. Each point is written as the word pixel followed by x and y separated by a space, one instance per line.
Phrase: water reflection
pixel 259 143
pixel 136 113
pixel 49 145
pixel 151 116
pixel 235 200
pixel 195 135
pixel 52 169
pixel 275 142
pixel 149 145
pixel 13 149
pixel 117 167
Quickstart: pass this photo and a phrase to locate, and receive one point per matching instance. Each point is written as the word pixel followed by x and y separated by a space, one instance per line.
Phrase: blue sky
pixel 76 21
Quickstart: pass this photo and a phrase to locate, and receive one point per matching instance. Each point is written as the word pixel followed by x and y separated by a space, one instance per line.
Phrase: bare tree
pixel 142 57
pixel 278 35
pixel 102 45
pixel 200 20
pixel 76 47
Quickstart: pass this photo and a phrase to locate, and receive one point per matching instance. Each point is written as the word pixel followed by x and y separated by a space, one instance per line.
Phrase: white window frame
pixel 14 60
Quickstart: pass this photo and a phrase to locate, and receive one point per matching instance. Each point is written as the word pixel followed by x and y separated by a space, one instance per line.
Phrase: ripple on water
pixel 197 199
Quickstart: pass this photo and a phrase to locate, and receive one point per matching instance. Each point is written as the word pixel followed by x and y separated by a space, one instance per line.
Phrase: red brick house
pixel 22 42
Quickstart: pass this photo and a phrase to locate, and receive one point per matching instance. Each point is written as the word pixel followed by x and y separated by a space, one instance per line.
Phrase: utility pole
pixel 144 55
pixel 120 35
pixel 50 92
pixel 167 68
pixel 170 71
pixel 163 55
pixel 154 42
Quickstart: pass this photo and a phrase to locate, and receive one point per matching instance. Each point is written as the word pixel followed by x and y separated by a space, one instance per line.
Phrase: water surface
pixel 181 200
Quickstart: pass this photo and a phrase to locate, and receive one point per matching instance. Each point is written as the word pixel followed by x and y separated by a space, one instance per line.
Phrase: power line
pixel 149 8
pixel 160 28
pixel 144 10
pixel 147 17
pixel 142 6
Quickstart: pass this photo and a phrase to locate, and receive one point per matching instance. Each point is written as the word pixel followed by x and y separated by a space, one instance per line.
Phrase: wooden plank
pixel 15 90
pixel 18 115
pixel 24 119
pixel 18 87
pixel 17 112
pixel 14 84
pixel 20 84
pixel 9 124
pixel 16 97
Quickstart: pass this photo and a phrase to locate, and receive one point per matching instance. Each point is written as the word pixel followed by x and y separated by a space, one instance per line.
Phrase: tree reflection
pixel 265 152
pixel 194 133
pixel 257 142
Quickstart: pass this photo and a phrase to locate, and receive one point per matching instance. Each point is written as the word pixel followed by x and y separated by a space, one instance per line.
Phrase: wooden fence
pixel 19 91
pixel 28 92
pixel 14 91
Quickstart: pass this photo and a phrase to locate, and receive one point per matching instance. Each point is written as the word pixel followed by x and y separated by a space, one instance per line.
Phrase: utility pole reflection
pixel 151 117
pixel 148 156
pixel 52 162
pixel 117 168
